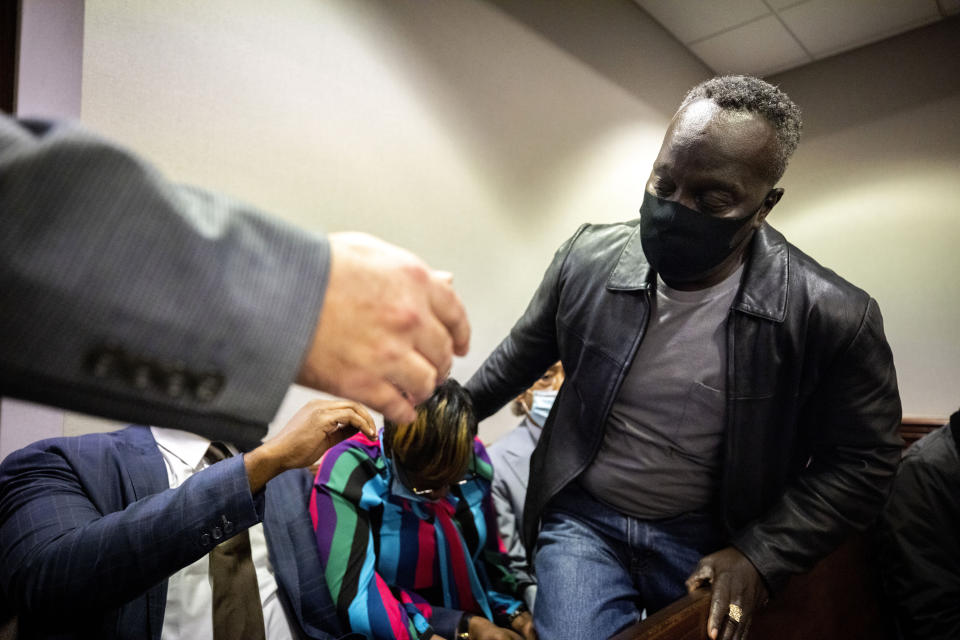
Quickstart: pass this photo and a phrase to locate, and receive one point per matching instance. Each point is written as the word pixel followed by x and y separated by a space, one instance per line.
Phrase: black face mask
pixel 682 244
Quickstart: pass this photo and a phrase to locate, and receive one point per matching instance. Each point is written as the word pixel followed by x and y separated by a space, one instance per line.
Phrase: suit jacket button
pixel 176 384
pixel 217 533
pixel 205 540
pixel 227 527
pixel 173 377
pixel 105 362
pixel 141 376
pixel 208 386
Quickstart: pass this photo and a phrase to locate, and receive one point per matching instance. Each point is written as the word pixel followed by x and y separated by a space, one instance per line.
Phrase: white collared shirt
pixel 189 610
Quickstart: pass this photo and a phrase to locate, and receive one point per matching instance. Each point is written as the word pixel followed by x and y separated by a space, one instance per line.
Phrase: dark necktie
pixel 237 611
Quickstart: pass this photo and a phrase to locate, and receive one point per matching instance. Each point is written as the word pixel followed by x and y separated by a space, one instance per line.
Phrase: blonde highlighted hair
pixel 437 447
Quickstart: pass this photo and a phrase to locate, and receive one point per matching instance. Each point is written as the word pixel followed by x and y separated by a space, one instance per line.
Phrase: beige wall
pixel 874 193
pixel 476 138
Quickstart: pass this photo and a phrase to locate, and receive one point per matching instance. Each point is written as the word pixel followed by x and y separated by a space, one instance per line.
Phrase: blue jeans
pixel 598 569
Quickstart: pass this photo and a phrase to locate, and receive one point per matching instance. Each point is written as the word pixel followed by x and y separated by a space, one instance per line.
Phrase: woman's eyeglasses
pixel 471 475
pixel 465 480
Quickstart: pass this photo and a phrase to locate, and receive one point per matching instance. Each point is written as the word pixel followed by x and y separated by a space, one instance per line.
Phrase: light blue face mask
pixel 542 403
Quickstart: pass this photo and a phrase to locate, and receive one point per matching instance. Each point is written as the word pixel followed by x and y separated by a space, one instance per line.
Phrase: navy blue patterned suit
pixel 89 533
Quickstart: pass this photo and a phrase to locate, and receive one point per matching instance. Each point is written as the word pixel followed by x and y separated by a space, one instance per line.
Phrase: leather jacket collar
pixel 764 289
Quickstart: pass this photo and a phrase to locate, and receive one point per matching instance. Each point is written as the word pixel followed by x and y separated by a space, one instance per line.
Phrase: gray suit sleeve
pixel 509 529
pixel 129 297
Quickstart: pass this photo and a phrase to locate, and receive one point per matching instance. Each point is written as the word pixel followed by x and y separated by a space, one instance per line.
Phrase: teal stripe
pixel 478 592
pixel 391 542
pixel 359 612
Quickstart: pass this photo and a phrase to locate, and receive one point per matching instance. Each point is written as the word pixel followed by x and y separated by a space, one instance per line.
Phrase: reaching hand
pixel 316 427
pixel 738 591
pixel 388 329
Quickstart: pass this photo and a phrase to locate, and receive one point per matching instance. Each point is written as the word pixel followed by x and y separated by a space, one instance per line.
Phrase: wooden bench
pixel 914 428
pixel 838 599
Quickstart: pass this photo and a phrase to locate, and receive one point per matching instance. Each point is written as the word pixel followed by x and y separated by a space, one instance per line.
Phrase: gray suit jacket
pixel 129 297
pixel 510 456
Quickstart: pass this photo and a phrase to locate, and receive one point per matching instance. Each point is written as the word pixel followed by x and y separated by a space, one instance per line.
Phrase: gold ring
pixel 735 613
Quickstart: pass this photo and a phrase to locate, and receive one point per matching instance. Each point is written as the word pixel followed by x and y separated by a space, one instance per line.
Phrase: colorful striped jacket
pixel 402 566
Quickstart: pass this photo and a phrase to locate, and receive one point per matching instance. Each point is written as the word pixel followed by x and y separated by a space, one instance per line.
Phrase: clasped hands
pixel 738 592
pixel 521 629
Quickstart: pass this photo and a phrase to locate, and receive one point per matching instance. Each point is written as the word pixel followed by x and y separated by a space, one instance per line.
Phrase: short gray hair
pixel 746 93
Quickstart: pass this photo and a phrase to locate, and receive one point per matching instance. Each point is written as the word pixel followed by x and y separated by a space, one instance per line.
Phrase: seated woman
pixel 407 532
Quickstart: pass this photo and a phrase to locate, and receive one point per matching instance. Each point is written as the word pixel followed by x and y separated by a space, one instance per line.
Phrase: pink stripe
pixel 458 561
pixel 426 555
pixel 422 605
pixel 313 509
pixel 394 610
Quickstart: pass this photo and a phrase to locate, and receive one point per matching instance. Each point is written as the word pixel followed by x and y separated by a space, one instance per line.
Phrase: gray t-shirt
pixel 661 455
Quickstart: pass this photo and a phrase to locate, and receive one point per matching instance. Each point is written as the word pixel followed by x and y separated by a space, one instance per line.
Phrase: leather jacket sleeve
pixel 919 549
pixel 854 417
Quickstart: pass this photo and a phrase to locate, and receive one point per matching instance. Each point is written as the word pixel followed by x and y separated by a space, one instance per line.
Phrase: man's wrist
pixel 261 467
pixel 463 628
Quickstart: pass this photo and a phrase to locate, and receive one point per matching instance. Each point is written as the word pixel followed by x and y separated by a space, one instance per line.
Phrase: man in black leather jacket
pixel 727 399
pixel 919 538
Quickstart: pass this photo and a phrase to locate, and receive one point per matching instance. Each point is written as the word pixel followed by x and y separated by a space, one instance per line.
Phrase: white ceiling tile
pixel 758 48
pixel 693 20
pixel 827 26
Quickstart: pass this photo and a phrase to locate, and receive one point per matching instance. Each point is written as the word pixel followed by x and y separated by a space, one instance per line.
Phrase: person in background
pixel 130 297
pixel 919 538
pixel 510 456
pixel 407 531
pixel 730 411
pixel 158 533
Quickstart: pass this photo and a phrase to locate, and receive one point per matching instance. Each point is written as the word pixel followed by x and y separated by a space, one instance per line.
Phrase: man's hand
pixel 483 629
pixel 388 329
pixel 523 624
pixel 738 591
pixel 316 427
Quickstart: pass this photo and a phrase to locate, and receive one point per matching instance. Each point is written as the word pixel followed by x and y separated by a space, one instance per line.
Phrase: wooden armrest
pixel 685 619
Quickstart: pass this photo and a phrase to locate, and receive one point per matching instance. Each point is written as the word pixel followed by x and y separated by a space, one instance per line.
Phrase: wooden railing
pixel 685 619
pixel 914 428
